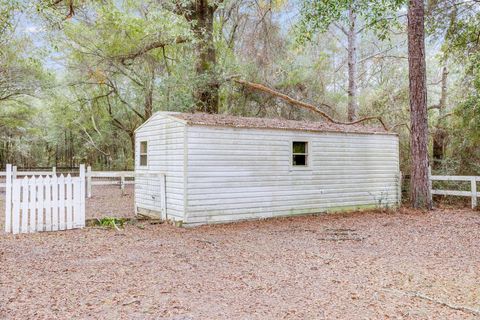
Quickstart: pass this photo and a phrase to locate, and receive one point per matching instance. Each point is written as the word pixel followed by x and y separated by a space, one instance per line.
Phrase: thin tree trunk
pixel 132 143
pixel 149 86
pixel 206 93
pixel 352 65
pixel 440 134
pixel 420 189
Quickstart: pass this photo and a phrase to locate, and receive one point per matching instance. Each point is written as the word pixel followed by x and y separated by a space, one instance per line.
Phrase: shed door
pixel 151 194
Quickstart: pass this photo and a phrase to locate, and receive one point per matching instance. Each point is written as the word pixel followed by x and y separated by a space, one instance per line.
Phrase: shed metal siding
pixel 237 174
pixel 165 138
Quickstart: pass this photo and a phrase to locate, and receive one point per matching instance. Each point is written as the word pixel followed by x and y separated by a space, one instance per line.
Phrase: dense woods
pixel 78 77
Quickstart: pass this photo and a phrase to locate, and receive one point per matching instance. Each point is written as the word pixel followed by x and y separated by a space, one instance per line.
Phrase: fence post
pixel 163 194
pixel 14 172
pixel 122 184
pixel 399 190
pixel 8 199
pixel 82 194
pixel 473 183
pixel 89 181
pixel 430 184
pixel 54 171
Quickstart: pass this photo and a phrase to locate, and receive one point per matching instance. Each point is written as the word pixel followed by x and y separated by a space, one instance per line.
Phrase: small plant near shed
pixel 381 200
pixel 111 222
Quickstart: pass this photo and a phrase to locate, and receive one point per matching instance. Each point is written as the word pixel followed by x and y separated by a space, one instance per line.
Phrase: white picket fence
pixel 49 203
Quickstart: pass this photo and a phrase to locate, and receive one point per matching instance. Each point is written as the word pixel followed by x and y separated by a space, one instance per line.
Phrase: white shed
pixel 198 168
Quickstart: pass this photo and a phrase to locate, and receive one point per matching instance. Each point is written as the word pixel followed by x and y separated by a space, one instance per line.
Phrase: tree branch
pixel 421 295
pixel 398 125
pixel 304 105
pixel 92 143
pixel 149 47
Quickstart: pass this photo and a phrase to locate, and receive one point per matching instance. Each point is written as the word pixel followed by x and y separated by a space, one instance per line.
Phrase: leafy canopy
pixel 318 15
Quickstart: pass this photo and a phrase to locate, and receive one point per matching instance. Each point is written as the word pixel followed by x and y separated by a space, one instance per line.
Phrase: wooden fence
pixel 94 178
pixel 50 203
pixel 470 193
pixel 102 178
pixel 16 174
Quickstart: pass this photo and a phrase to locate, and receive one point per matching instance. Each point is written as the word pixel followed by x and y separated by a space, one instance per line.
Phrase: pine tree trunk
pixel 352 66
pixel 420 189
pixel 440 134
pixel 206 92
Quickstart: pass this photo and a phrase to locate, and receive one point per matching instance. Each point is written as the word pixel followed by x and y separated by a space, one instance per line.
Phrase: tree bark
pixel 131 135
pixel 149 87
pixel 420 189
pixel 440 134
pixel 206 92
pixel 352 65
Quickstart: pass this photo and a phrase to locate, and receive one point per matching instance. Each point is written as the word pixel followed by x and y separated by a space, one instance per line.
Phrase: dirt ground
pixel 401 265
pixel 108 201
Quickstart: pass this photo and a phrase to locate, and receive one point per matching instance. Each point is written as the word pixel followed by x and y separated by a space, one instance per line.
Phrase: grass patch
pixel 112 223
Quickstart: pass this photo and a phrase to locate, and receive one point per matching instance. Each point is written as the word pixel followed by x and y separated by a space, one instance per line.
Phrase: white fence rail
pixel 94 178
pixel 471 193
pixel 16 173
pixel 49 203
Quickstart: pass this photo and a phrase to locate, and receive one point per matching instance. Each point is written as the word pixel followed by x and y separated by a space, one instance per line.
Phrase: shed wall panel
pixel 166 155
pixel 237 174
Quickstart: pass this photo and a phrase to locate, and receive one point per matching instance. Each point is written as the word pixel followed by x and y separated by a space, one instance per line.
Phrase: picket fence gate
pixel 49 203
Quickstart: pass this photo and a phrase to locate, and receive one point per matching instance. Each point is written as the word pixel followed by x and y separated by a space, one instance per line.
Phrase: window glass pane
pixel 299 147
pixel 299 160
pixel 143 159
pixel 143 147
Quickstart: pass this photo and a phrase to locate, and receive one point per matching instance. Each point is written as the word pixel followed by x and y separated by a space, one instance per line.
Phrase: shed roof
pixel 223 120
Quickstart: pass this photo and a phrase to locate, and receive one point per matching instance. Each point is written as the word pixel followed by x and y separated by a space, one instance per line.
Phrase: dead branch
pixel 148 47
pixel 403 124
pixel 265 89
pixel 131 302
pixel 446 115
pixel 93 142
pixel 342 239
pixel 69 4
pixel 420 295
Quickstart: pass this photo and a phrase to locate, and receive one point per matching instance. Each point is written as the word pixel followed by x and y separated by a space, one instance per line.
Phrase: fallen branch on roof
pixel 301 104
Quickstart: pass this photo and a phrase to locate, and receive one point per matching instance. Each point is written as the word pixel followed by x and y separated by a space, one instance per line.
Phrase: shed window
pixel 143 153
pixel 300 153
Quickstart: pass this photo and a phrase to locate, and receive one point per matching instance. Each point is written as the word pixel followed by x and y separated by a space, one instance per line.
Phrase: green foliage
pixel 111 222
pixel 317 16
pixel 8 8
pixel 459 25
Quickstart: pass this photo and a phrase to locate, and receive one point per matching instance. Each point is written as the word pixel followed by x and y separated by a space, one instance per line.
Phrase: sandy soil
pixel 356 266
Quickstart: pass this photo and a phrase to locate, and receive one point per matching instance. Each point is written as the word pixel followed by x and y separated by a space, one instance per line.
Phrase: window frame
pixel 308 154
pixel 140 154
